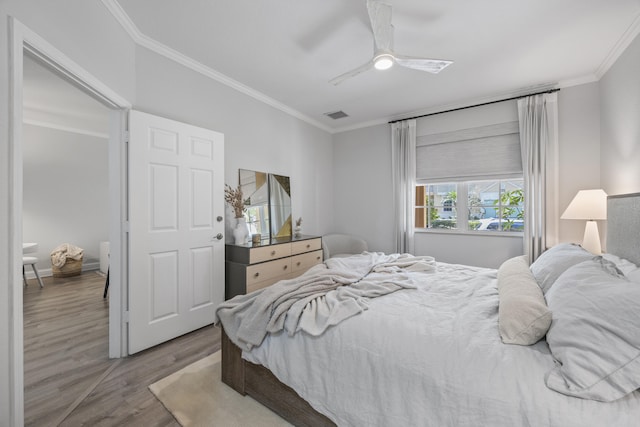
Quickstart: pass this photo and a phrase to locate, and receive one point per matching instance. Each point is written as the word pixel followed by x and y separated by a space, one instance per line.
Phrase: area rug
pixel 196 396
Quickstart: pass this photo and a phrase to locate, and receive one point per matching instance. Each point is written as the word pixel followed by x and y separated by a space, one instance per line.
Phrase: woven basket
pixel 70 268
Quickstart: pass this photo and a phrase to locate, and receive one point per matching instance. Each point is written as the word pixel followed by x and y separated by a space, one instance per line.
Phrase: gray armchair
pixel 336 245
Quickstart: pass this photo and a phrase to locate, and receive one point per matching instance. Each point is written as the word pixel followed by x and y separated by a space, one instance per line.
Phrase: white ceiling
pixel 288 50
pixel 53 102
pixel 284 52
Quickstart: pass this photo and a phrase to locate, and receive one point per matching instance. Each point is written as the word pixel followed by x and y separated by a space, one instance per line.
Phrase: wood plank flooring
pixel 69 379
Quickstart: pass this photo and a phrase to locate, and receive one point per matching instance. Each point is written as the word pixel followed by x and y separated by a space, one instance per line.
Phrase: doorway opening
pixel 65 138
pixel 23 42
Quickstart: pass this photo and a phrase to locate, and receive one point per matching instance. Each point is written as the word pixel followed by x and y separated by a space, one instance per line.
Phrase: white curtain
pixel 537 116
pixel 403 157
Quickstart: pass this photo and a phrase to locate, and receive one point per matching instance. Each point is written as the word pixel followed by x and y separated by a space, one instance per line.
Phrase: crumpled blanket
pixel 322 297
pixel 66 250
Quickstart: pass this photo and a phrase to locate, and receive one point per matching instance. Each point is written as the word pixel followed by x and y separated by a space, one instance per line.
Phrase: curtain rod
pixel 477 105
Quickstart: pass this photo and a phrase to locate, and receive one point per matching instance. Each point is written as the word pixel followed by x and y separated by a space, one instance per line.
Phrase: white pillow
pixel 555 261
pixel 523 314
pixel 594 335
pixel 628 268
pixel 623 265
pixel 634 276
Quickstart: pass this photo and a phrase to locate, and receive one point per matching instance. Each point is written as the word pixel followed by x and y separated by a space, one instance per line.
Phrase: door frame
pixel 21 40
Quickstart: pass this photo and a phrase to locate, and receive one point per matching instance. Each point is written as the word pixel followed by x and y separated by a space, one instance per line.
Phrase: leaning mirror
pixel 255 190
pixel 280 206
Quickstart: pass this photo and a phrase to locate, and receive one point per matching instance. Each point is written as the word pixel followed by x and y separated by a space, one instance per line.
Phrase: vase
pixel 297 232
pixel 241 232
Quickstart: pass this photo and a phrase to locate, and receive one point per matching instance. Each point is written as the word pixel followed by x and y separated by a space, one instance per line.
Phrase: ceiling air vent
pixel 337 115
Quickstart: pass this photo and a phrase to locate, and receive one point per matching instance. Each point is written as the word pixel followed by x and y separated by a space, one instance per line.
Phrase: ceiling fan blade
pixel 342 77
pixel 433 66
pixel 380 17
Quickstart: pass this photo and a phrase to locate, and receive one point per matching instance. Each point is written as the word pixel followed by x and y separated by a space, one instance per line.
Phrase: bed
pixel 435 355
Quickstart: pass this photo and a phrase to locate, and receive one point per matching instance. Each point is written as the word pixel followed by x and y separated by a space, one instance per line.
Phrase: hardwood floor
pixel 69 379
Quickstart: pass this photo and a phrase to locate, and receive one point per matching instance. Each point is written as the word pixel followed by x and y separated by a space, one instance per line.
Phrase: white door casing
pixel 176 222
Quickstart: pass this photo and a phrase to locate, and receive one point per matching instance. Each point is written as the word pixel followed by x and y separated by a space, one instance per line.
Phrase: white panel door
pixel 176 211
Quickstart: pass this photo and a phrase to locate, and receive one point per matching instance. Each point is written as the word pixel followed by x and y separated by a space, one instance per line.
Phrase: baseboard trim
pixel 48 272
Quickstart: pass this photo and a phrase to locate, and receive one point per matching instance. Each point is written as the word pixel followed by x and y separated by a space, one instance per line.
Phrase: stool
pixel 30 260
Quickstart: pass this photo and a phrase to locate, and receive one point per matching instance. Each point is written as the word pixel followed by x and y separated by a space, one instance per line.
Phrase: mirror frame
pixel 272 218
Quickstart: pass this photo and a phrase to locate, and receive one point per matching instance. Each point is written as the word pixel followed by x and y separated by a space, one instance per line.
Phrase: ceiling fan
pixel 384 57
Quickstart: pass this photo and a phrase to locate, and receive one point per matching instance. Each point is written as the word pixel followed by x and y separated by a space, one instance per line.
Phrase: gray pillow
pixel 523 314
pixel 594 336
pixel 555 261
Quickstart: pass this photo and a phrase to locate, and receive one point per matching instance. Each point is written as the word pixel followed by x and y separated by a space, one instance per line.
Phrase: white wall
pixel 362 189
pixel 65 192
pixel 579 151
pixel 257 137
pixel 620 123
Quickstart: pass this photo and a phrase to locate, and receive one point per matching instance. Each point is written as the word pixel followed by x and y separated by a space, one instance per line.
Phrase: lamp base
pixel 591 239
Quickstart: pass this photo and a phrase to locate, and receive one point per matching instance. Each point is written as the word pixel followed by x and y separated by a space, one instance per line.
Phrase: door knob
pixel 219 219
pixel 219 236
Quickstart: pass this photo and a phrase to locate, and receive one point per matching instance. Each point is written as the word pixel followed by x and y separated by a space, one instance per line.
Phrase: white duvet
pixel 432 356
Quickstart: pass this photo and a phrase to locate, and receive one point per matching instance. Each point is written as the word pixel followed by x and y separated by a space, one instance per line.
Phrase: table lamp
pixel 589 205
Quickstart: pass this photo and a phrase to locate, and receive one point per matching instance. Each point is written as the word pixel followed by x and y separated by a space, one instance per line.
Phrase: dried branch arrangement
pixel 235 200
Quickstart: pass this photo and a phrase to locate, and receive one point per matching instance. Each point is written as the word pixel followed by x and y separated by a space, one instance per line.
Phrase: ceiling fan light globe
pixel 383 62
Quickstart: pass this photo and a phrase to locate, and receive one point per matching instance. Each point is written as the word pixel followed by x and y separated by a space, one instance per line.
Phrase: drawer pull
pixel 308 246
pixel 273 253
pixel 285 267
pixel 298 264
pixel 318 258
pixel 256 275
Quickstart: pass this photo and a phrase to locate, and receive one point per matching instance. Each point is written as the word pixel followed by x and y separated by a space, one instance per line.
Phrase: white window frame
pixel 462 198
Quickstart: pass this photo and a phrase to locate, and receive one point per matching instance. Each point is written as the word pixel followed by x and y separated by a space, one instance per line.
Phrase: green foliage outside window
pixel 511 202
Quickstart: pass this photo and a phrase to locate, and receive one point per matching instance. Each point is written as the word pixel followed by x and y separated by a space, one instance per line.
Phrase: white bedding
pixel 432 356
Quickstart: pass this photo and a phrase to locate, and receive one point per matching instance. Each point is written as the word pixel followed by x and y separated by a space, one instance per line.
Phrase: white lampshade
pixel 590 205
pixel 587 204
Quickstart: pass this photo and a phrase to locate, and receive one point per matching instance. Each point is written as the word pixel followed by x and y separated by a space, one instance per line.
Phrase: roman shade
pixel 487 152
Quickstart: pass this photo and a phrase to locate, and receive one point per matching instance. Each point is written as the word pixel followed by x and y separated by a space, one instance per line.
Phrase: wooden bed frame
pixel 258 382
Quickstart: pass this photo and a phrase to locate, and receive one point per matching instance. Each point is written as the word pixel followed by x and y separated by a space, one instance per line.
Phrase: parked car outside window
pixel 494 224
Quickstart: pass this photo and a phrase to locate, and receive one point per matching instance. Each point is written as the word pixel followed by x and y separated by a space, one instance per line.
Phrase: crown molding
pixel 582 80
pixel 362 125
pixel 56 126
pixel 619 47
pixel 145 41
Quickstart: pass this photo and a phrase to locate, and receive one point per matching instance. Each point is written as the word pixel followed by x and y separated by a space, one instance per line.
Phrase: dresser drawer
pixel 267 270
pixel 267 253
pixel 303 262
pixel 305 246
pixel 263 284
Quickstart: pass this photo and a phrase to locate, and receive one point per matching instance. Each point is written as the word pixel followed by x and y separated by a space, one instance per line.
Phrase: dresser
pixel 250 267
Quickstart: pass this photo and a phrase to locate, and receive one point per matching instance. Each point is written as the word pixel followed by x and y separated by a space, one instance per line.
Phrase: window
pixel 435 206
pixel 470 180
pixel 490 205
